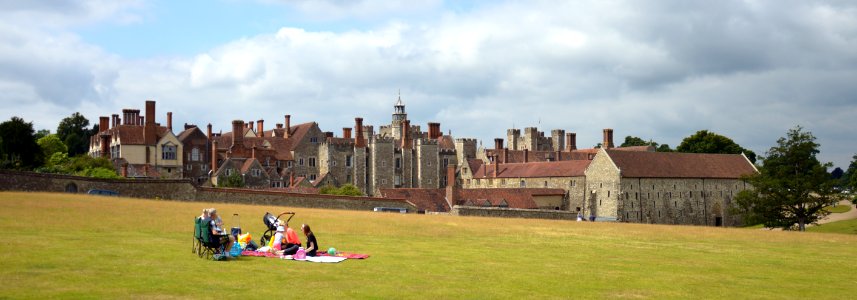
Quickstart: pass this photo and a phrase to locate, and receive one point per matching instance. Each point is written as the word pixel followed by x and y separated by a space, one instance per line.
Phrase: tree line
pixel 63 152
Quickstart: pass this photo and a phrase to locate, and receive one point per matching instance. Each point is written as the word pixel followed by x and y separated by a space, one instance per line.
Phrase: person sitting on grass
pixel 311 243
pixel 204 214
pixel 286 241
pixel 220 238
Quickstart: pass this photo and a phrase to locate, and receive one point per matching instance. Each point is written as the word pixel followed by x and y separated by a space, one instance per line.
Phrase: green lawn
pixel 838 209
pixel 847 226
pixel 73 246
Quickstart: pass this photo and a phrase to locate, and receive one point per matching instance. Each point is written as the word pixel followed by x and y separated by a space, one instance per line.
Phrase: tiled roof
pixel 446 142
pixel 423 199
pixel 680 165
pixel 649 148
pixel 131 134
pixel 282 146
pixel 187 133
pixel 517 156
pixel 565 168
pixel 435 199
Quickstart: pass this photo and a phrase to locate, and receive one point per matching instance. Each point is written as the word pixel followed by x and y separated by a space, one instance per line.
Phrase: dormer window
pixel 168 152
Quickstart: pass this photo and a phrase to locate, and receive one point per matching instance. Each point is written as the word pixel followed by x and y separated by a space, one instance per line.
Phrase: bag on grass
pixel 218 257
pixel 252 246
pixel 235 251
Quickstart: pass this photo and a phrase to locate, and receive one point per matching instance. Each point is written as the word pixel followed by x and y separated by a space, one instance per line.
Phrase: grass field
pixel 846 227
pixel 838 209
pixel 75 246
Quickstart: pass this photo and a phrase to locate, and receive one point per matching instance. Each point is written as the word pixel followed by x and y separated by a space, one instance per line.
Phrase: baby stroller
pixel 272 222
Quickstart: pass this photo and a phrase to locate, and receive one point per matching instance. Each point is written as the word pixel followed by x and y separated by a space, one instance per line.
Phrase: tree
pixel 235 180
pixel 792 187
pixel 74 133
pixel 631 141
pixel 704 141
pixel 51 144
pixel 664 148
pixel 849 178
pixel 345 190
pixel 42 133
pixel 19 147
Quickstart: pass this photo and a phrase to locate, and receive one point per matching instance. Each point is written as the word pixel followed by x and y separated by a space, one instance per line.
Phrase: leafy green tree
pixel 100 172
pixel 51 144
pixel 19 147
pixel 631 141
pixel 792 187
pixel 234 181
pixel 665 148
pixel 344 190
pixel 849 178
pixel 42 133
pixel 704 141
pixel 74 133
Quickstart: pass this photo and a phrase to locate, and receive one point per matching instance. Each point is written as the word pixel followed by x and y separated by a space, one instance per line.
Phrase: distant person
pixel 311 243
pixel 204 215
pixel 220 237
pixel 592 217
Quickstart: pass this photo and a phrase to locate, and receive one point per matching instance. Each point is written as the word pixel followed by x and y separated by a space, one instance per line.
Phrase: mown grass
pixel 74 246
pixel 846 227
pixel 838 209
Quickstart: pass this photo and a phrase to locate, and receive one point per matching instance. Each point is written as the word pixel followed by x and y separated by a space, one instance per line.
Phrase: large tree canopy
pixel 704 141
pixel 849 179
pixel 19 148
pixel 74 133
pixel 51 144
pixel 792 187
pixel 631 141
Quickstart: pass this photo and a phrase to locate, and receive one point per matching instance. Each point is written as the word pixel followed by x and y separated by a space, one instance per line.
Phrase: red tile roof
pixel 446 142
pixel 565 168
pixel 131 134
pixel 681 165
pixel 435 199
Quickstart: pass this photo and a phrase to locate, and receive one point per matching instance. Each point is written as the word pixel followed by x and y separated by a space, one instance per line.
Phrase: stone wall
pixel 688 201
pixel 184 190
pixel 602 188
pixel 459 210
pixel 574 186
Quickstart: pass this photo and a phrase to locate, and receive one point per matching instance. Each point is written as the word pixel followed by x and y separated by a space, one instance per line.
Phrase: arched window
pixel 194 154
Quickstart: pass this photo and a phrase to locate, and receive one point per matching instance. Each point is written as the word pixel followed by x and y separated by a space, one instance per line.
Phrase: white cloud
pixel 748 70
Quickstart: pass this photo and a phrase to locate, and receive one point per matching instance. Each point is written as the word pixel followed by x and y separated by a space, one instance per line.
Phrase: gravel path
pixel 851 214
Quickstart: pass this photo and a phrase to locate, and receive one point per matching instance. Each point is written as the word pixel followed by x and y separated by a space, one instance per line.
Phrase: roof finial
pixel 399 100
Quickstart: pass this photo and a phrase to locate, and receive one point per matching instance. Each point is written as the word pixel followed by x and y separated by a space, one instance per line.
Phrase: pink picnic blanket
pixel 347 255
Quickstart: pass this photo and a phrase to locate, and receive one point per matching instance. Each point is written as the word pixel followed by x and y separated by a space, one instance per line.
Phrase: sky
pixel 660 70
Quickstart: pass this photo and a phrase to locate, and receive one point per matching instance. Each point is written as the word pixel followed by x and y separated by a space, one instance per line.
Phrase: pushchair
pixel 272 222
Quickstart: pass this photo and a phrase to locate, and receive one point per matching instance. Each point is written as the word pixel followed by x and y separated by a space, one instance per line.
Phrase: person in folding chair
pixel 224 240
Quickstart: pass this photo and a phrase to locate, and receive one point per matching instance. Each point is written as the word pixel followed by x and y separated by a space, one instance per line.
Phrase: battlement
pixel 338 143
pixel 383 140
pixel 557 132
pixel 513 132
pixel 426 142
pixel 466 140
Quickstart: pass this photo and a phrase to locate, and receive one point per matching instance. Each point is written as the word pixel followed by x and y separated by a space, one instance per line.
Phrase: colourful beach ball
pixel 331 251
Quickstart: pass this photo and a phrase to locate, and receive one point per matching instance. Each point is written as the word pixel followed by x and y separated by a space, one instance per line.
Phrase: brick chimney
pixel 291 179
pixel 608 139
pixel 526 155
pixel 213 157
pixel 279 125
pixel 288 126
pixel 406 135
pixel 114 120
pixel 498 145
pixel 103 124
pixel 250 125
pixel 105 142
pixel 434 130
pixel 130 116
pixel 124 169
pixel 451 185
pixel 150 130
pixel 570 141
pixel 346 132
pixel 170 121
pixel 496 165
pixel 208 131
pixel 359 141
pixel 237 132
pixel 328 134
pixel 260 127
pixel 253 152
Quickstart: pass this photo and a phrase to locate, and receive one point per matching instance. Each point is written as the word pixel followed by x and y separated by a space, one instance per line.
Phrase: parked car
pixel 103 192
pixel 391 209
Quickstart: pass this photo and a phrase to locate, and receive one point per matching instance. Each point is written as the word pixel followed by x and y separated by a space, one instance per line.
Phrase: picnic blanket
pixel 343 255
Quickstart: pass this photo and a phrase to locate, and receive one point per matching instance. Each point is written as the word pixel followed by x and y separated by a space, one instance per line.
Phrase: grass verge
pixel 77 246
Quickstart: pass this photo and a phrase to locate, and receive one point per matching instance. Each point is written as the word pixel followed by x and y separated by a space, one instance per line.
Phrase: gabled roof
pixel 423 199
pixel 131 134
pixel 188 133
pixel 566 168
pixel 680 165
pixel 446 142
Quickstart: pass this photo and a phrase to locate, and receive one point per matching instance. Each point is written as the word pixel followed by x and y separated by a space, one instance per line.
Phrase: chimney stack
pixel 328 134
pixel 170 121
pixel 213 157
pixel 103 124
pixel 406 134
pixel 250 125
pixel 346 132
pixel 526 155
pixel 140 120
pixel 570 141
pixel 279 125
pixel 115 120
pixel 505 155
pixel 496 165
pixel 105 142
pixel 288 126
pixel 608 139
pixel 208 131
pixel 450 185
pixel 359 141
pixel 434 130
pixel 237 132
pixel 498 145
pixel 260 125
pixel 150 130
